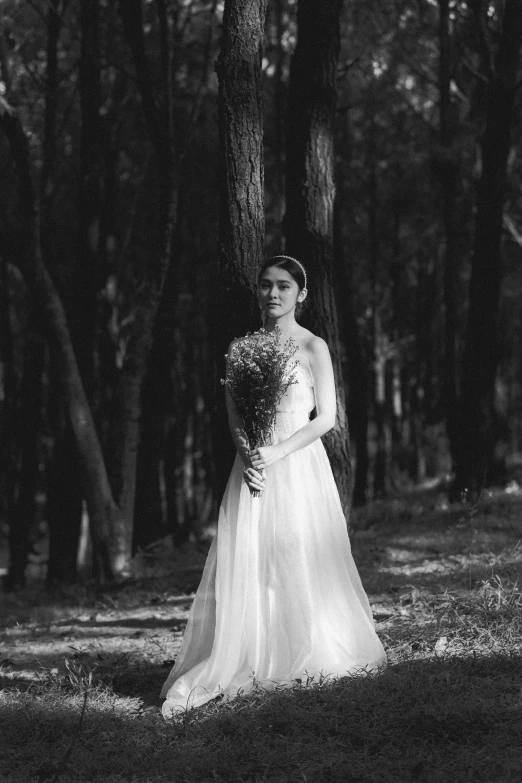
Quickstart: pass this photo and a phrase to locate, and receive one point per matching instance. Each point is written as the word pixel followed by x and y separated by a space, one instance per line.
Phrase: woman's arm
pixel 325 399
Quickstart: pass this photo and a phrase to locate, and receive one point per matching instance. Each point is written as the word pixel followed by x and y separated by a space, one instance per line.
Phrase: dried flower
pixel 259 373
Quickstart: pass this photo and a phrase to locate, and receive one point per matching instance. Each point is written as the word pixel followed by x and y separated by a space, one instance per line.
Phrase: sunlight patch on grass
pixel 448 708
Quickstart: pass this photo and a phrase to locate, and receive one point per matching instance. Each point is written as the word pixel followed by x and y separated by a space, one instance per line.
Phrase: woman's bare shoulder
pixel 313 346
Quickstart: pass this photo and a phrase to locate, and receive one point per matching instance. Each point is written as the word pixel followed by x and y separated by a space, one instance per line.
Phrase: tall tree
pixel 25 249
pixel 310 193
pixel 124 430
pixel 109 485
pixel 241 216
pixel 447 168
pixel 356 370
pixel 481 353
pixel 65 489
pixel 28 424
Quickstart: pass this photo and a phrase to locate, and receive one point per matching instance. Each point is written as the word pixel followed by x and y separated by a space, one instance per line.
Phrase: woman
pixel 280 598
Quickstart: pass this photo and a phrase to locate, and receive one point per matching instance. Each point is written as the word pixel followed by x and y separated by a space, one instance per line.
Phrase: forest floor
pixel 80 672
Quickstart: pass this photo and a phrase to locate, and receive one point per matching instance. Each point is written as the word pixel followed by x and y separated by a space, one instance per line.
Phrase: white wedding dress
pixel 280 597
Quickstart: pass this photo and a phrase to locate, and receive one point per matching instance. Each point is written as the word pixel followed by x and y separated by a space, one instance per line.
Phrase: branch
pixel 467 65
pixel 39 83
pixel 508 223
pixel 347 65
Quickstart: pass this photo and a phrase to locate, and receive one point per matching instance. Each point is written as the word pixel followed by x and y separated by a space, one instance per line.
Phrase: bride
pixel 280 598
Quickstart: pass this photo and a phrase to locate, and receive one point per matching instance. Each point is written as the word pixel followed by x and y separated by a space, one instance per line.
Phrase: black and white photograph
pixel 260 391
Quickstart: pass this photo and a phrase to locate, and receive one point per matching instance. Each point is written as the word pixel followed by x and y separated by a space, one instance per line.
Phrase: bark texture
pixel 447 168
pixel 240 112
pixel 241 217
pixel 310 193
pixel 481 353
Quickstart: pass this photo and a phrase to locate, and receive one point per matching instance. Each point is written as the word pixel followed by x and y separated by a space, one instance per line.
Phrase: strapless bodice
pixel 294 408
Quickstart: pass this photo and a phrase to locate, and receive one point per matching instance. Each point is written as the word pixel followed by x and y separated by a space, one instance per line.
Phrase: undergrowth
pixel 447 709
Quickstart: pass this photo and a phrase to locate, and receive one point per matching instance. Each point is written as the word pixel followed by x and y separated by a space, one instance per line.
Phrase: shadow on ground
pixel 445 720
pixel 414 539
pixel 173 623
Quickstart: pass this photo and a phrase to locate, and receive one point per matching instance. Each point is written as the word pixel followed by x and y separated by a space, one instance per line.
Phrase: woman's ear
pixel 301 296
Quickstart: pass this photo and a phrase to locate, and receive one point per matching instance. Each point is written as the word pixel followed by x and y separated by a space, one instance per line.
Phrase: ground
pixel 81 671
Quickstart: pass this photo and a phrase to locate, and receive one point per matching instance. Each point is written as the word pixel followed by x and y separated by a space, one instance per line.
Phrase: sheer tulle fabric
pixel 280 597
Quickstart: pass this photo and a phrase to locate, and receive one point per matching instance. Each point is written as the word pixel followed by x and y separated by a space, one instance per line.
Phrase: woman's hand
pixel 254 480
pixel 263 456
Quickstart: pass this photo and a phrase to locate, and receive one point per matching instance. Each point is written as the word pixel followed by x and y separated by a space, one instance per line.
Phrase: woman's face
pixel 277 292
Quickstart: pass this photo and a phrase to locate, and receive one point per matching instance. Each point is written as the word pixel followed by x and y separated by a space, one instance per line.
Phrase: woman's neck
pixel 287 325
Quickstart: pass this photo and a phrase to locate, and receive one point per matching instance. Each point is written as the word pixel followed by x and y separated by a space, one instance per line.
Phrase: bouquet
pixel 258 375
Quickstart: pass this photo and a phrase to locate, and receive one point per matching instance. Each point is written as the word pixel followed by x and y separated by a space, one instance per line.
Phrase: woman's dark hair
pixel 289 265
pixel 293 268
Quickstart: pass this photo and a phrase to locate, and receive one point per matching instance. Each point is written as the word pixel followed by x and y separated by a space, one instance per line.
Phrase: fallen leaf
pixel 441 644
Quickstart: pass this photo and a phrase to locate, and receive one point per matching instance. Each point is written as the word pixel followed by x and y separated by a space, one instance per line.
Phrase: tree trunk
pixel 87 278
pixel 102 509
pixel 381 478
pixel 64 503
pixel 64 507
pixel 64 485
pixel 149 521
pixel 20 430
pixel 8 397
pixel 47 187
pixel 112 522
pixel 23 511
pixel 381 460
pixel 241 217
pixel 481 353
pixel 278 9
pixel 356 372
pixel 123 441
pixel 104 514
pixel 125 426
pixel 310 194
pixel 163 414
pixel 446 165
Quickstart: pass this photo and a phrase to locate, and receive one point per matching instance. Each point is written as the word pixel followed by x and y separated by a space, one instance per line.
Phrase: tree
pixel 356 373
pixel 447 167
pixel 65 496
pixel 27 252
pixel 310 192
pixel 241 216
pixel 108 484
pixel 481 353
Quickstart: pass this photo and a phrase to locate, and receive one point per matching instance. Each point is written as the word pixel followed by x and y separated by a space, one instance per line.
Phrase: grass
pixel 443 583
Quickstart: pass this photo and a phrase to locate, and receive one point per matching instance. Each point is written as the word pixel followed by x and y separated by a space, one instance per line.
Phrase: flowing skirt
pixel 280 598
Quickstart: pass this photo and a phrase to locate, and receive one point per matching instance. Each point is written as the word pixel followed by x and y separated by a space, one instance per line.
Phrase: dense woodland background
pixel 152 152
